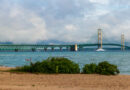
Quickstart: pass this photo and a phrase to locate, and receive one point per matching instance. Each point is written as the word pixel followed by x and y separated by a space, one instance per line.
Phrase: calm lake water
pixel 121 59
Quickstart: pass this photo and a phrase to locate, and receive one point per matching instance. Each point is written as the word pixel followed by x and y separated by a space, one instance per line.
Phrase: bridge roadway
pixel 22 47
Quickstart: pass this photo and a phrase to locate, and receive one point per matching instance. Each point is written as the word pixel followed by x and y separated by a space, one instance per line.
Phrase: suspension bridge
pixel 69 47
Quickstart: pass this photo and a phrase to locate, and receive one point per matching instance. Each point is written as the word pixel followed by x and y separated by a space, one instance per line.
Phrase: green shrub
pixel 106 68
pixel 89 68
pixel 103 68
pixel 51 65
pixel 64 66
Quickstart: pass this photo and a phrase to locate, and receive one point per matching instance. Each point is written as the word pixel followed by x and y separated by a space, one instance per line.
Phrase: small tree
pixel 89 68
pixel 52 65
pixel 106 68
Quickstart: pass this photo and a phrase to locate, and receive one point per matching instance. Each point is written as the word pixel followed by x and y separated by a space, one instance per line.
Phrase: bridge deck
pixel 30 46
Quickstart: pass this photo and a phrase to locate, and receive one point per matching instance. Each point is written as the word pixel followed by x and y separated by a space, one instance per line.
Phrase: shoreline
pixel 4 68
pixel 28 81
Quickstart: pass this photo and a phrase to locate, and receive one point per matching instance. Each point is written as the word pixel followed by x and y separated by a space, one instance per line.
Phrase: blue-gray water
pixel 122 59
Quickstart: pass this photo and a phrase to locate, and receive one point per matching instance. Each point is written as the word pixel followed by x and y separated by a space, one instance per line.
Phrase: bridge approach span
pixel 33 47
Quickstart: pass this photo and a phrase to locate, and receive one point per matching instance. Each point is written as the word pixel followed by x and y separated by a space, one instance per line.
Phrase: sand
pixel 27 81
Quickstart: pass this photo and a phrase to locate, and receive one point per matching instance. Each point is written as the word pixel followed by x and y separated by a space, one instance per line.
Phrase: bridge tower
pixel 122 42
pixel 99 38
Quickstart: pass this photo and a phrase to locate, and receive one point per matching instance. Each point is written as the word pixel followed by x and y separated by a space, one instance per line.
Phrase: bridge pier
pixel 52 48
pixel 45 48
pixel 33 49
pixel 74 47
pixel 60 48
pixel 16 50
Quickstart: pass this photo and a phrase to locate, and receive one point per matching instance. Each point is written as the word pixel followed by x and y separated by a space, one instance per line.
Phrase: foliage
pixel 106 68
pixel 103 68
pixel 65 66
pixel 51 65
pixel 89 68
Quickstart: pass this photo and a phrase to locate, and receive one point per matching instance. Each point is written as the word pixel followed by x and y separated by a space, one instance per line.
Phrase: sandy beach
pixel 27 81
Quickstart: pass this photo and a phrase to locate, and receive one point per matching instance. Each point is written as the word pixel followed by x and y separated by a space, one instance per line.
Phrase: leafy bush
pixel 64 65
pixel 106 68
pixel 51 65
pixel 103 68
pixel 89 68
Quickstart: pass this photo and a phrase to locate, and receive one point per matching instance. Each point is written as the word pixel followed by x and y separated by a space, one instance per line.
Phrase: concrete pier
pixel 45 49
pixel 60 48
pixel 33 49
pixel 52 48
pixel 16 50
pixel 74 47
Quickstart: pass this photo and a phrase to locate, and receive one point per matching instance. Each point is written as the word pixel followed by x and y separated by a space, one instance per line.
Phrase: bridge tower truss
pixel 122 42
pixel 99 38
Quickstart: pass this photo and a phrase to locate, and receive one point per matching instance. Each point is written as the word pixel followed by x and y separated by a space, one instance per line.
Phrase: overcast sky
pixel 30 21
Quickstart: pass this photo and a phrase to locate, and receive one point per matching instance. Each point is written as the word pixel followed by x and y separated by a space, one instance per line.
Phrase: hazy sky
pixel 28 21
